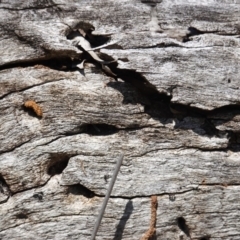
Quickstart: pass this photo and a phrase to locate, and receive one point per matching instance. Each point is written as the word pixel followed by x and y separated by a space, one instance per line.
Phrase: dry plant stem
pixel 152 229
pixel 105 201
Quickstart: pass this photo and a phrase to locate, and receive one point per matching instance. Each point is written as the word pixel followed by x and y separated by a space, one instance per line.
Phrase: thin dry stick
pixel 152 229
pixel 105 201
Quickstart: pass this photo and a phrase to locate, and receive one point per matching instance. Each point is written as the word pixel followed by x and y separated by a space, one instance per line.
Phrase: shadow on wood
pixel 122 223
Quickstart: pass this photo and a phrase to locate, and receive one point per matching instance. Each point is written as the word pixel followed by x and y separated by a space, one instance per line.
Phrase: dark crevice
pixel 75 131
pixel 99 129
pixel 163 106
pixel 97 40
pixel 151 3
pixel 205 238
pixel 149 195
pixel 114 46
pixel 156 104
pixel 181 222
pixel 78 189
pixel 159 106
pixel 57 63
pixel 140 83
pixel 226 112
pixel 208 128
pixel 160 45
pixel 58 162
pixel 194 32
pixel 21 215
pixel 180 111
pixel 223 114
pixel 58 60
pixel 4 189
pixel 234 141
pixel 124 59
pixel 61 60
pixel 3 185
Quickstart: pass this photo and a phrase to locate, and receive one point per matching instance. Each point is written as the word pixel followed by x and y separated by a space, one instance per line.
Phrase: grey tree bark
pixel 82 82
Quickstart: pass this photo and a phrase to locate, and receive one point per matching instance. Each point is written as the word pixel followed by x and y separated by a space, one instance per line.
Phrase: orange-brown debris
pixel 152 229
pixel 34 106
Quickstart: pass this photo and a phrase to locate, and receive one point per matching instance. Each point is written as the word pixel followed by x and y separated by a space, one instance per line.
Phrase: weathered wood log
pixel 170 103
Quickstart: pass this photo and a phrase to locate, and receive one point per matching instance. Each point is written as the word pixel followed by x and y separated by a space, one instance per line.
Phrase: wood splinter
pixel 34 106
pixel 149 234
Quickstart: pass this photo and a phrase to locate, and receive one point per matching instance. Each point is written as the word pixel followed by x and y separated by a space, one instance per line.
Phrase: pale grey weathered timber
pixel 170 105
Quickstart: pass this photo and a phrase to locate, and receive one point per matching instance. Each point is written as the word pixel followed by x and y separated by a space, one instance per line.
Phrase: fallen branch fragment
pixel 152 229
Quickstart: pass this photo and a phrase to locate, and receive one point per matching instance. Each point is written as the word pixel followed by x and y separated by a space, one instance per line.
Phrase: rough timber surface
pixel 170 103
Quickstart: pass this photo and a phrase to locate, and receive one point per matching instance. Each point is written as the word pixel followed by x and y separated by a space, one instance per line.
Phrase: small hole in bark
pixel 100 129
pixel 38 196
pixel 21 216
pixel 79 189
pixel 183 226
pixel 229 80
pixel 58 163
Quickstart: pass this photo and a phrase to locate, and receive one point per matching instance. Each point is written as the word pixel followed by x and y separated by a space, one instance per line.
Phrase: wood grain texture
pixel 170 104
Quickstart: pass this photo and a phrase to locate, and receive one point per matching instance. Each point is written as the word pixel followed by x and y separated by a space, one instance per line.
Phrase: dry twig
pixel 152 229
